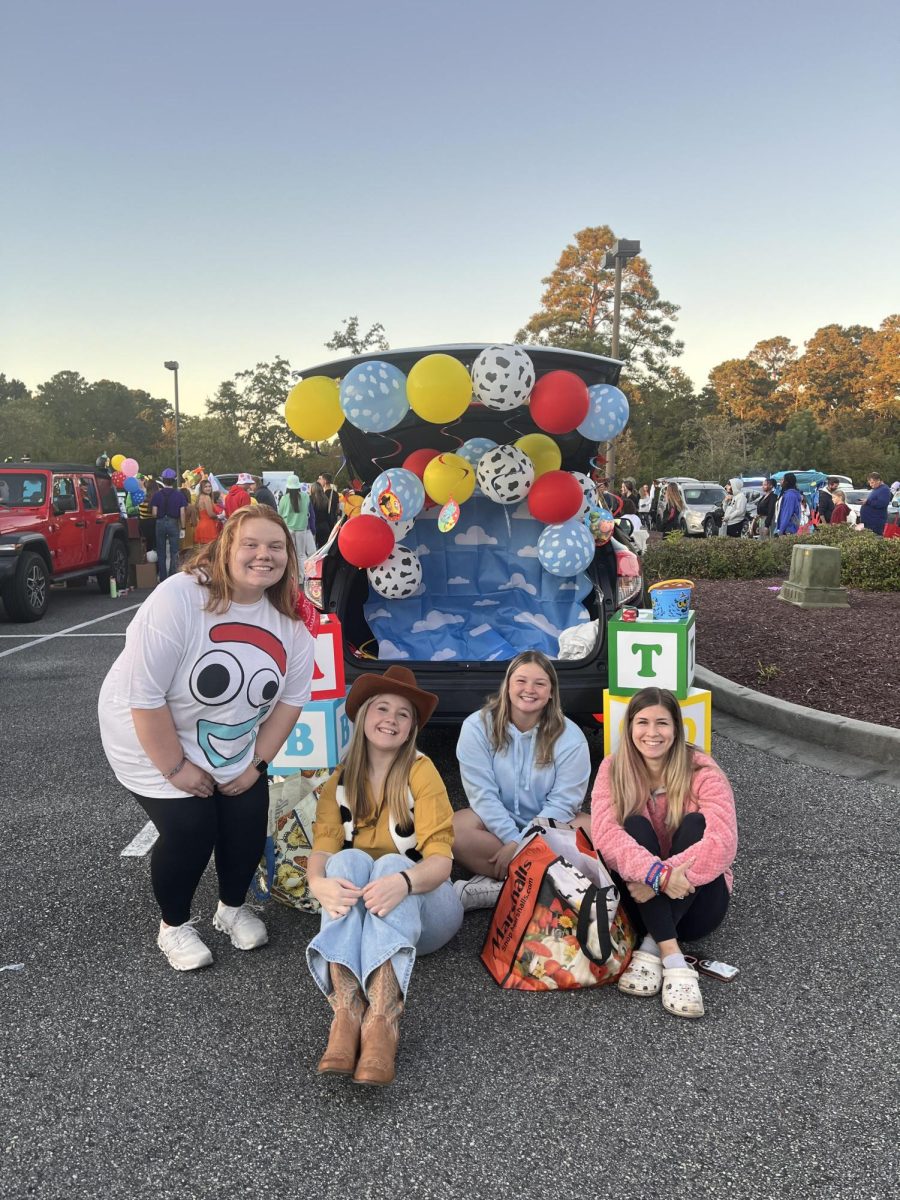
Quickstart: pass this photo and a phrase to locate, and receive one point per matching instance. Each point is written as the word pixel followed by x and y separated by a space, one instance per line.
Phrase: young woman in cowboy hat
pixel 379 866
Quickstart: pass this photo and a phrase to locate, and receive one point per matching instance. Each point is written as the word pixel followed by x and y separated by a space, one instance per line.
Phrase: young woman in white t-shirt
pixel 216 668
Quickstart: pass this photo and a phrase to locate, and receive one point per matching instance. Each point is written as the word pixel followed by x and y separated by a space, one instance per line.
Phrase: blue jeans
pixel 168 530
pixel 362 942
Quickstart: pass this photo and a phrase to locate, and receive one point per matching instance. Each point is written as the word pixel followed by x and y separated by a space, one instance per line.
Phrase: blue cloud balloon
pixel 373 396
pixel 566 549
pixel 607 415
pixel 406 486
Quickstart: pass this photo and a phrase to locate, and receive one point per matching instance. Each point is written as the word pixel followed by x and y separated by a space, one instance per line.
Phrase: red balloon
pixel 559 402
pixel 118 479
pixel 365 540
pixel 555 497
pixel 419 460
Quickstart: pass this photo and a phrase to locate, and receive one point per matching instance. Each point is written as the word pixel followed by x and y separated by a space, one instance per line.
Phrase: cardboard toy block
pixel 696 712
pixel 319 738
pixel 648 653
pixel 328 671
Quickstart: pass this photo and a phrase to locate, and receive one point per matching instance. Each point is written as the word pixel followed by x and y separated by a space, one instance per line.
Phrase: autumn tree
pixel 755 388
pixel 829 378
pixel 881 393
pixel 577 308
pixel 350 339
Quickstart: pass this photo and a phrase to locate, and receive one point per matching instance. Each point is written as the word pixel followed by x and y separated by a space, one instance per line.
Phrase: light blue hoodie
pixel 508 791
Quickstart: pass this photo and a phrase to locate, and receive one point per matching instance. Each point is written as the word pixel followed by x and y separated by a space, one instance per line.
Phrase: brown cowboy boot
pixel 380 1029
pixel 349 1004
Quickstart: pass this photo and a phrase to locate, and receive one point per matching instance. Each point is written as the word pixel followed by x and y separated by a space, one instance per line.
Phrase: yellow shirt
pixel 433 818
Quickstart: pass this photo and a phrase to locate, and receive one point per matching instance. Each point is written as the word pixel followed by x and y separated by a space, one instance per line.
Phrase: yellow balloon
pixel 313 408
pixel 449 475
pixel 116 461
pixel 543 452
pixel 439 388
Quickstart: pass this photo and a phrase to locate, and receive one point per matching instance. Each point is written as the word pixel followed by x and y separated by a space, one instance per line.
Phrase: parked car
pixel 853 498
pixel 701 500
pixel 482 585
pixel 59 522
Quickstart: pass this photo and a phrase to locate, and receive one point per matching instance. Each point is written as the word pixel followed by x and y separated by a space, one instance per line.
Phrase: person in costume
pixel 379 867
pixel 216 668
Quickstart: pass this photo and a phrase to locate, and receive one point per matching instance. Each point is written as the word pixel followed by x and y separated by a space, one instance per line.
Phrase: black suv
pixel 59 522
pixel 613 578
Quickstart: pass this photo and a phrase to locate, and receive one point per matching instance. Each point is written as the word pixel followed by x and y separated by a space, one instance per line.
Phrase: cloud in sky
pixel 518 581
pixel 484 603
pixel 538 620
pixel 458 579
pixel 440 655
pixel 527 552
pixel 387 649
pixel 423 549
pixel 379 612
pixel 478 630
pixel 475 536
pixel 436 620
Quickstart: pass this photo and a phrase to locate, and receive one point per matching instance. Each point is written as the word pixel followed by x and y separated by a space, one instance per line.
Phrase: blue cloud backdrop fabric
pixel 484 593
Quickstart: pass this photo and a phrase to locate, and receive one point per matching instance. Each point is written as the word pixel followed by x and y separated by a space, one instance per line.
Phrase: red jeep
pixel 59 522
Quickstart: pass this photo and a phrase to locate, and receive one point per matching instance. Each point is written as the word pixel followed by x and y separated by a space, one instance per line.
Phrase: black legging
pixel 695 915
pixel 190 829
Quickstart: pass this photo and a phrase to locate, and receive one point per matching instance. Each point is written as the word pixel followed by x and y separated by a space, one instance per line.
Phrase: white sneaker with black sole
pixel 478 892
pixel 245 929
pixel 183 946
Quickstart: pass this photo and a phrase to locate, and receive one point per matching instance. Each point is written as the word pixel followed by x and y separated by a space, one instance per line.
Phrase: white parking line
pixel 48 637
pixel 34 636
pixel 142 842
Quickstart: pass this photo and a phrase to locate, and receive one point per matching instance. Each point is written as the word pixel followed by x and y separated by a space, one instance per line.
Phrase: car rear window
pixel 21 489
pixel 695 495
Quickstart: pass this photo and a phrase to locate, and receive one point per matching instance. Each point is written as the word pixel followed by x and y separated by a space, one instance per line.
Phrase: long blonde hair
pixel 629 780
pixel 496 712
pixel 355 772
pixel 210 565
pixel 674 496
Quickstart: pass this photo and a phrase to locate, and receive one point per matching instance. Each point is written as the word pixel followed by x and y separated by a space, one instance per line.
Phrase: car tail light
pixel 628 587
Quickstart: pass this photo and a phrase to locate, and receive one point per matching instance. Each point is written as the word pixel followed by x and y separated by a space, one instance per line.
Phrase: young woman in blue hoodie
pixel 521 759
pixel 787 510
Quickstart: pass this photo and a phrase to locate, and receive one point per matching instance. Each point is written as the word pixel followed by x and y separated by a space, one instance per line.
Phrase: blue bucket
pixel 671 599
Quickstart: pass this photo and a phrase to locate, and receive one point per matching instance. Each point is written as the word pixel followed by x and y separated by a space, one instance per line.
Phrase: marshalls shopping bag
pixel 281 873
pixel 558 922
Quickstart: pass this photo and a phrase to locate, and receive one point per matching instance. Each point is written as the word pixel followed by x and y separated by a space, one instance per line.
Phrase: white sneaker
pixel 244 928
pixel 183 946
pixel 478 892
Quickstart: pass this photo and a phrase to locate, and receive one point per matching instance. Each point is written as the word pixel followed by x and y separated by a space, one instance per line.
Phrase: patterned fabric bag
pixel 281 873
pixel 558 923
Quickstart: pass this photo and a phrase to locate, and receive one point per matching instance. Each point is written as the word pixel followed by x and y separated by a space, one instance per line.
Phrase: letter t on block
pixel 646 650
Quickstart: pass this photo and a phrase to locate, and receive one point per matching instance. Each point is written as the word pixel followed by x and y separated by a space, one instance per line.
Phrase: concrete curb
pixel 862 739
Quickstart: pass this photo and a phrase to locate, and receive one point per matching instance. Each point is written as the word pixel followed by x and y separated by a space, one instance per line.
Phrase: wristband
pixel 652 877
pixel 175 770
pixel 664 876
pixel 408 881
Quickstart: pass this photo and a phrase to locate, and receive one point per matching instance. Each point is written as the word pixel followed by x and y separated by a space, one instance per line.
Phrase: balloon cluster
pixel 376 396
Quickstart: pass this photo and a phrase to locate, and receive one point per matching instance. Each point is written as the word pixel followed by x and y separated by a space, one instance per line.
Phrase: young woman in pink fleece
pixel 663 819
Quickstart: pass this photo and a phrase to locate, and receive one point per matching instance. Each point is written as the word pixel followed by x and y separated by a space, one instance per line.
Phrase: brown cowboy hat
pixel 399 681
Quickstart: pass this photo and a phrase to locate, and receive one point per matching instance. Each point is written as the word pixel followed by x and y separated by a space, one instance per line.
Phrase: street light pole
pixel 621 252
pixel 173 366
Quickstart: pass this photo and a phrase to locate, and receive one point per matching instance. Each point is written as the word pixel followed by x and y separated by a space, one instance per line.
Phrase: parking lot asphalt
pixel 122 1078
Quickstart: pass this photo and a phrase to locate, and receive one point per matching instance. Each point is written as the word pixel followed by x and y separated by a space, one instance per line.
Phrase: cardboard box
pixel 146 575
pixel 648 653
pixel 318 740
pixel 328 672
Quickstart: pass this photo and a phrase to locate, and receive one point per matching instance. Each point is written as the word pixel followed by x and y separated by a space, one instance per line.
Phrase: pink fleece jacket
pixel 713 855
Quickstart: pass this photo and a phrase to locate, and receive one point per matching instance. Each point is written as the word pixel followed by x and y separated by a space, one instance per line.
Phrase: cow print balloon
pixel 505 474
pixel 399 576
pixel 502 377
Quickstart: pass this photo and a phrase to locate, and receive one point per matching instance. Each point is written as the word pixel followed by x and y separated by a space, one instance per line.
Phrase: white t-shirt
pixel 220 674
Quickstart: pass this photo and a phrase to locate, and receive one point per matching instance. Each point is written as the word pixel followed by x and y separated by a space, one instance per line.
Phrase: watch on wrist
pixel 260 763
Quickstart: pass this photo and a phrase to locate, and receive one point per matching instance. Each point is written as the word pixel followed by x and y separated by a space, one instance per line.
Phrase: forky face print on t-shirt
pixel 221 677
